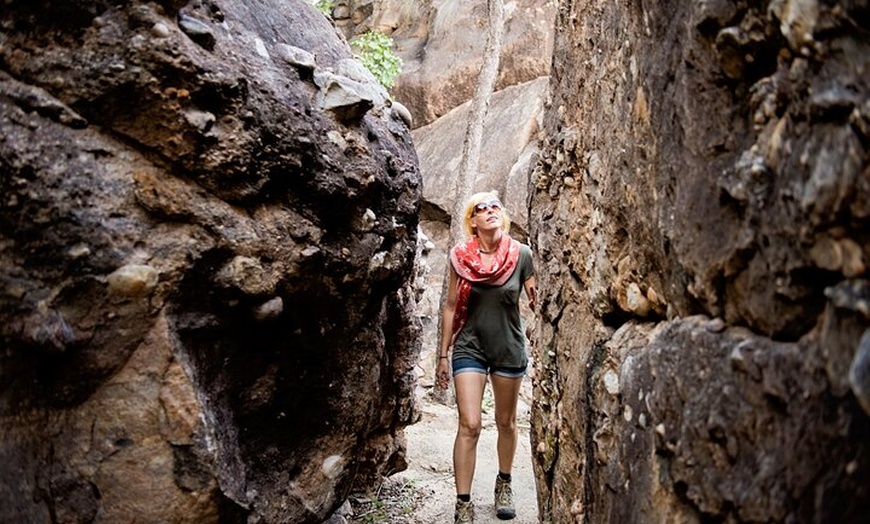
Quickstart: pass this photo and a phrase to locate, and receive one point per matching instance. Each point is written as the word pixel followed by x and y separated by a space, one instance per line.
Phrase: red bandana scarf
pixel 465 258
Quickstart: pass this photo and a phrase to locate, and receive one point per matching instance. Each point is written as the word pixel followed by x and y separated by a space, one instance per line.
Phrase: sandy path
pixel 430 468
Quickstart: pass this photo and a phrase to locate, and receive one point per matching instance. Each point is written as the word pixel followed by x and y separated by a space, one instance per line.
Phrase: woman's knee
pixel 470 427
pixel 506 422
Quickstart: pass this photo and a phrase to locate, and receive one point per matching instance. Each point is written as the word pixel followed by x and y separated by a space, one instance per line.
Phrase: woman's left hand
pixel 442 373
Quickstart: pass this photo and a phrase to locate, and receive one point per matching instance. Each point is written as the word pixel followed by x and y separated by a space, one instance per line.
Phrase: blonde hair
pixel 477 198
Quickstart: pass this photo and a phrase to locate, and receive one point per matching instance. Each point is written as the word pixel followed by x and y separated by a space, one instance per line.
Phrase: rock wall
pixel 441 43
pixel 209 225
pixel 700 215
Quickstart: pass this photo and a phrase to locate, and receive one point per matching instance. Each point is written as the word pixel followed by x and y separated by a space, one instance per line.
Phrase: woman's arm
pixel 443 368
pixel 447 314
pixel 531 291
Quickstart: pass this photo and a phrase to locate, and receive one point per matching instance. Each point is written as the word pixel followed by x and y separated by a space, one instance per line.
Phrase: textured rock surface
pixel 441 44
pixel 510 140
pixel 206 257
pixel 700 213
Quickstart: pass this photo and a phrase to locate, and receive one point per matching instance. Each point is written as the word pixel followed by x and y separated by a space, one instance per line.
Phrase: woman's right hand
pixel 442 373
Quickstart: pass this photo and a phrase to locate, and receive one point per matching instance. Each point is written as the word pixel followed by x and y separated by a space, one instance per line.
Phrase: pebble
pixel 58 82
pixel 337 138
pixel 133 280
pixel 368 220
pixel 246 274
pixel 159 30
pixel 78 251
pixel 193 27
pixel 379 260
pixel 310 251
pixel 716 325
pixel 269 309
pixel 827 254
pixel 261 48
pixel 738 360
pixel 198 31
pixel 202 120
pixel 853 258
pixel 332 466
pixel 296 56
pixel 402 112
pixel 611 382
pixel 637 301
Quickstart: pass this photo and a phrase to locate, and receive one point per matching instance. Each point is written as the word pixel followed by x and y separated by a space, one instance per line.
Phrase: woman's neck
pixel 489 240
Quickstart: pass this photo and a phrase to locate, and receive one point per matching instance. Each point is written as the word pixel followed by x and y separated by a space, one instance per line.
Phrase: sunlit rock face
pixel 441 44
pixel 209 224
pixel 700 216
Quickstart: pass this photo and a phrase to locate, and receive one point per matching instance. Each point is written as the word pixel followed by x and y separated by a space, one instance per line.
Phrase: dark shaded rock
pixel 194 326
pixel 859 372
pixel 73 499
pixel 717 169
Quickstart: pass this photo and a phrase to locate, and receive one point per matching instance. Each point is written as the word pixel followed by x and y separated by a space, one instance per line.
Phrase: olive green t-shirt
pixel 493 332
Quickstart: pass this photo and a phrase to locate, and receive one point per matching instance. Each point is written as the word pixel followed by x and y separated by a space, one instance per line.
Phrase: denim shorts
pixel 472 365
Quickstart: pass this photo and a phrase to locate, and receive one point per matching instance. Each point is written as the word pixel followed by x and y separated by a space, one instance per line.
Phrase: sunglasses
pixel 495 205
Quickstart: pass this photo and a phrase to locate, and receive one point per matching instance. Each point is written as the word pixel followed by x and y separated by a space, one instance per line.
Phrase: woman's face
pixel 486 215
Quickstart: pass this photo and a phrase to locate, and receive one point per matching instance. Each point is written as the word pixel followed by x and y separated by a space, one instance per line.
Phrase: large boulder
pixel 510 141
pixel 442 65
pixel 700 214
pixel 441 44
pixel 209 224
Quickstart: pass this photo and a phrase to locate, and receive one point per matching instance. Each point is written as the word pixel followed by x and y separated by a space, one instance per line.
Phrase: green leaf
pixel 324 6
pixel 375 50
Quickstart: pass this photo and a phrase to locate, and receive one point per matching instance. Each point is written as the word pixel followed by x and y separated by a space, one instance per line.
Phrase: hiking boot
pixel 504 500
pixel 464 512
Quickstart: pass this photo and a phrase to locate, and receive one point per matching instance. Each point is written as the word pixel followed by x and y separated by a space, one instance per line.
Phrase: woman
pixel 481 324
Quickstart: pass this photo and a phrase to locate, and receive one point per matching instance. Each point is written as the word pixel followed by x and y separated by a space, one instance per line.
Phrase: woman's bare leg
pixel 506 392
pixel 469 395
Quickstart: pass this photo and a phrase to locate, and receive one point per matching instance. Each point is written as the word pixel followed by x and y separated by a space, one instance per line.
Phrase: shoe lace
pixel 504 494
pixel 464 513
